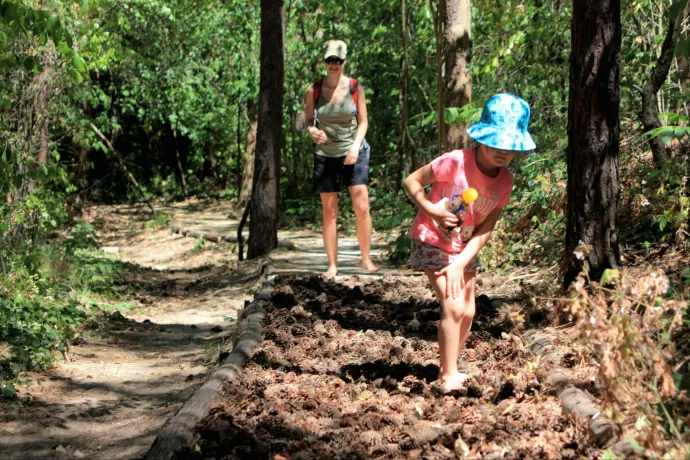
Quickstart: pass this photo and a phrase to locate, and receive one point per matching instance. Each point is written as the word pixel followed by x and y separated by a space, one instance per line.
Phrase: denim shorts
pixel 425 256
pixel 332 175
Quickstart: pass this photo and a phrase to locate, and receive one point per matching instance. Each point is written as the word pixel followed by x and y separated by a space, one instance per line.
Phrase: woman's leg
pixel 360 202
pixel 329 207
pixel 456 320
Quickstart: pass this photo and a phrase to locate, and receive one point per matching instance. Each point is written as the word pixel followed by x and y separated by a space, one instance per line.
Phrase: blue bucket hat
pixel 503 124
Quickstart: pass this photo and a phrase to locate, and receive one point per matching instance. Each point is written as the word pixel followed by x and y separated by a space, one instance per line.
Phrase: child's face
pixel 498 157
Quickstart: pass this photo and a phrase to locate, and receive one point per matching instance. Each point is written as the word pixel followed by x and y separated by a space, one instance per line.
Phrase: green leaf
pixel 608 276
pixel 53 22
pixel 676 8
pixel 680 132
pixel 429 118
pixel 608 455
pixel 78 63
pixel 667 135
pixel 75 75
pixel 662 224
pixel 9 391
pixel 636 445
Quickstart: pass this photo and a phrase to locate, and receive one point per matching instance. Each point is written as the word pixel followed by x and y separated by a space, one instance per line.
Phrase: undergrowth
pixel 46 296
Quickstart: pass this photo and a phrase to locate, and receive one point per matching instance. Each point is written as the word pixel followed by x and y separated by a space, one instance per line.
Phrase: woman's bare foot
pixel 453 382
pixel 330 273
pixel 369 266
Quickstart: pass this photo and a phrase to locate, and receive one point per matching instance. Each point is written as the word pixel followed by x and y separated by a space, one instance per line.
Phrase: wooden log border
pixel 574 401
pixel 178 432
pixel 218 238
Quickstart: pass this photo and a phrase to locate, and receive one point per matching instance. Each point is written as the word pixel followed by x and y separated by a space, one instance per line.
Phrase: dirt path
pixel 123 381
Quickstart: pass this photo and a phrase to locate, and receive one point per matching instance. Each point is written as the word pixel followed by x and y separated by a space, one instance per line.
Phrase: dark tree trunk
pixel 650 109
pixel 458 40
pixel 263 224
pixel 249 147
pixel 593 136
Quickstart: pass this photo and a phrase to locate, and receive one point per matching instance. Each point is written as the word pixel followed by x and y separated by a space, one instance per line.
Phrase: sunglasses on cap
pixel 334 60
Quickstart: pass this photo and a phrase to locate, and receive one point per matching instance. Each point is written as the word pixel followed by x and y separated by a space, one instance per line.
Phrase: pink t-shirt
pixel 455 172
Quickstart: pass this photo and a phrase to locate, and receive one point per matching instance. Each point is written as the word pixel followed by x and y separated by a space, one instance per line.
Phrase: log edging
pixel 218 238
pixel 574 401
pixel 178 432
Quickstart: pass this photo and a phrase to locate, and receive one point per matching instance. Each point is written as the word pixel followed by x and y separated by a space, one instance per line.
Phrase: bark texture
pixel 593 136
pixel 248 161
pixel 263 224
pixel 650 107
pixel 458 50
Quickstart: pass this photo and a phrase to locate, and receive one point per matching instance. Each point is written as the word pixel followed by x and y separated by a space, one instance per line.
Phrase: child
pixel 451 263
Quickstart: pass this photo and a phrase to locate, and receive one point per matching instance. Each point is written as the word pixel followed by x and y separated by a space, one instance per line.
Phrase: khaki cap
pixel 336 48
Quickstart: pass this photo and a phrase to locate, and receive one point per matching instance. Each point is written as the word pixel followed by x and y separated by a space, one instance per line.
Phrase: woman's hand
pixel 318 136
pixel 455 278
pixel 441 215
pixel 352 156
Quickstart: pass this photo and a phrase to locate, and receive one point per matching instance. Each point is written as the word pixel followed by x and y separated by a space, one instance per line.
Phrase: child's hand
pixel 455 279
pixel 441 215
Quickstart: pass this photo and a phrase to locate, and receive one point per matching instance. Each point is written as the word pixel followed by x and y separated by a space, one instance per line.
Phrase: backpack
pixel 317 92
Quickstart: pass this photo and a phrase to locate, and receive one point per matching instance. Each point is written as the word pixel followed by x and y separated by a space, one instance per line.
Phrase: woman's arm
pixel 317 135
pixel 362 126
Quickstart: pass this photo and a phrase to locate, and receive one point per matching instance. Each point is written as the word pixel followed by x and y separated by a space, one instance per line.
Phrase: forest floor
pixel 346 368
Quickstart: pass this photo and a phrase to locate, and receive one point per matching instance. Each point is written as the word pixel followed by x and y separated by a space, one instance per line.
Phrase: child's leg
pixel 456 320
pixel 468 295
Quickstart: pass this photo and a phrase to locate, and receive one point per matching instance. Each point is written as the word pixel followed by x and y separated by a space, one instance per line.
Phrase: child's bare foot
pixel 369 266
pixel 453 382
pixel 330 273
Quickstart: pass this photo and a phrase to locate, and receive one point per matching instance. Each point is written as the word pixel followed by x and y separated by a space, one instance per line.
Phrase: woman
pixel 336 114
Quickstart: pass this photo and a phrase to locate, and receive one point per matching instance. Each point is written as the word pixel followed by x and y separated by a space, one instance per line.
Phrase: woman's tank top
pixel 339 123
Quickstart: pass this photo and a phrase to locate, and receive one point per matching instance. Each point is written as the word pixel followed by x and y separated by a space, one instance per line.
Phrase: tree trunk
pixel 263 224
pixel 593 137
pixel 458 41
pixel 650 108
pixel 438 35
pixel 249 147
pixel 183 182
pixel 403 145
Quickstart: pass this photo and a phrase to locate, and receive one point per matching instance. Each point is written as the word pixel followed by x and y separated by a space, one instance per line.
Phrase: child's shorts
pixel 425 256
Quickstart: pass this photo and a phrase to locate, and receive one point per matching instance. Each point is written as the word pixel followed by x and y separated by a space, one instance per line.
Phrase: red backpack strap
pixel 317 90
pixel 353 90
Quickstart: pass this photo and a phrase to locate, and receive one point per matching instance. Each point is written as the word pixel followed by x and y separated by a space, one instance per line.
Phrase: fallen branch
pixel 178 433
pixel 574 401
pixel 130 176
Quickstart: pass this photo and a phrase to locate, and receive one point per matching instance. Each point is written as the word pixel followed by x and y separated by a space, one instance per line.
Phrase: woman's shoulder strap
pixel 317 89
pixel 353 89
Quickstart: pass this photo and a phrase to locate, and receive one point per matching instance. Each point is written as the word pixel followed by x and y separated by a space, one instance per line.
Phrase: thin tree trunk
pixel 238 161
pixel 593 137
pixel 438 34
pixel 263 225
pixel 179 165
pixel 458 40
pixel 250 147
pixel 402 100
pixel 650 108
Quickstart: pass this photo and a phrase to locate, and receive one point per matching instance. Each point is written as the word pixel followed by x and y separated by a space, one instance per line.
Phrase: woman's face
pixel 334 65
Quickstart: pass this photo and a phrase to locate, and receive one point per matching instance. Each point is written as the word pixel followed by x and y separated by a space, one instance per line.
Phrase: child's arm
pixel 455 272
pixel 414 186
